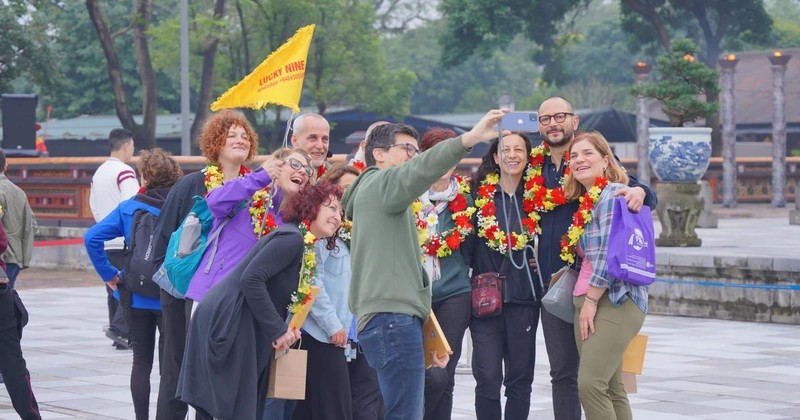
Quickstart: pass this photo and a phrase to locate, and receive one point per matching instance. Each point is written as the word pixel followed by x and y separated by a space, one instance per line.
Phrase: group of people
pixel 389 238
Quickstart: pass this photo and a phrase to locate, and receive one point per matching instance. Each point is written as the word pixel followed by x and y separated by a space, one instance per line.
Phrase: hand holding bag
pixel 287 375
pixel 558 300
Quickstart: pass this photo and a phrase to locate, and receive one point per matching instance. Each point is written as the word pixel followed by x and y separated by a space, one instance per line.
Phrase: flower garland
pixel 443 244
pixel 321 171
pixel 346 231
pixel 487 220
pixel 262 220
pixel 308 269
pixel 538 198
pixel 580 219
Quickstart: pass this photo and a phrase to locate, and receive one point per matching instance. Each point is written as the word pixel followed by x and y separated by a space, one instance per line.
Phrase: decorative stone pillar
pixel 642 71
pixel 728 115
pixel 679 208
pixel 778 61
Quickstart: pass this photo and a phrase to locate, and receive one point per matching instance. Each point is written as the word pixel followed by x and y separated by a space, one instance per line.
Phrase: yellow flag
pixel 277 80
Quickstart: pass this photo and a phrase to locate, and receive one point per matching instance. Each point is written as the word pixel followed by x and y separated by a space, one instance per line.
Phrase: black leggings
pixel 143 324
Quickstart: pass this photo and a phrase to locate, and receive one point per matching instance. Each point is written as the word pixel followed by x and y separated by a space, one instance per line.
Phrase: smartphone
pixel 524 121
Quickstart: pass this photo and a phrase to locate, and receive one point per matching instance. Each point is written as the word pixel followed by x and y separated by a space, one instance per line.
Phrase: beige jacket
pixel 19 223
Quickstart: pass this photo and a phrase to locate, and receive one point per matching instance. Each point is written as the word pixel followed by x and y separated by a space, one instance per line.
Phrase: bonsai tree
pixel 684 86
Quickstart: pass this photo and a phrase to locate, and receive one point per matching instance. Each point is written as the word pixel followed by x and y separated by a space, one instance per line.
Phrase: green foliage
pixel 685 83
pixel 24 47
pixel 473 85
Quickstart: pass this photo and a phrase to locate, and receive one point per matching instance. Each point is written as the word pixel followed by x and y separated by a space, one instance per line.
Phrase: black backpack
pixel 139 259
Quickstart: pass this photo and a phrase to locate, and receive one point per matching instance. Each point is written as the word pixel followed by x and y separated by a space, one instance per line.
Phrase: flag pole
pixel 286 133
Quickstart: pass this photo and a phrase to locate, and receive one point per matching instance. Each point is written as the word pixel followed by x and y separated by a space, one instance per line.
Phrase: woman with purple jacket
pixel 252 203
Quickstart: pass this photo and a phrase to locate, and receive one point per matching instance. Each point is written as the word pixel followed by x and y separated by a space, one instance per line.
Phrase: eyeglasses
pixel 410 149
pixel 559 117
pixel 297 165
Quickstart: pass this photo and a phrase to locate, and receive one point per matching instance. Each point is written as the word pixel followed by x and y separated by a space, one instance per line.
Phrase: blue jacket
pixel 330 312
pixel 118 223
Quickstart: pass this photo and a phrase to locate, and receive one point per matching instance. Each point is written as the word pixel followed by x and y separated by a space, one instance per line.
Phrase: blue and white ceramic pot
pixel 680 154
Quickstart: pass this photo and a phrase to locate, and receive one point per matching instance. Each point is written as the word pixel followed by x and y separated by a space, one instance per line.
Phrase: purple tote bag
pixel 631 245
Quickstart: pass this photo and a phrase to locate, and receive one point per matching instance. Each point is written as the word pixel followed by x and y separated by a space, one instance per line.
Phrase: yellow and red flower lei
pixel 308 269
pixel 537 197
pixel 443 244
pixel 262 220
pixel 487 220
pixel 580 219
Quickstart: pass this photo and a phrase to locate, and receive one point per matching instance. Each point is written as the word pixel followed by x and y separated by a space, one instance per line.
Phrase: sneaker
pixel 120 342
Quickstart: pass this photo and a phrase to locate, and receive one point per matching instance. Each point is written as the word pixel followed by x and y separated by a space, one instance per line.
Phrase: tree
pixel 24 48
pixel 683 80
pixel 144 133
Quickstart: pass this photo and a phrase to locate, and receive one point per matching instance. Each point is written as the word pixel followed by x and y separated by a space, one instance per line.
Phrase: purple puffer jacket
pixel 237 237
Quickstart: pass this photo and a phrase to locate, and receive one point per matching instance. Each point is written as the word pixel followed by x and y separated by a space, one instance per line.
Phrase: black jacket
pixel 176 206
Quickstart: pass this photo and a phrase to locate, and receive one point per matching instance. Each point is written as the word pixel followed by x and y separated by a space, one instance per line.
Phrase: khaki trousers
pixel 599 375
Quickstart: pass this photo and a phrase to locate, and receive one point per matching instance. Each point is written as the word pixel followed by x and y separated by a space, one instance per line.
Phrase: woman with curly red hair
pixel 226 364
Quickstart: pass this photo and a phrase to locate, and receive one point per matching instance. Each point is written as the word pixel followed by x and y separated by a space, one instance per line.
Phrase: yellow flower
pixel 309 238
pixel 492 178
pixel 416 206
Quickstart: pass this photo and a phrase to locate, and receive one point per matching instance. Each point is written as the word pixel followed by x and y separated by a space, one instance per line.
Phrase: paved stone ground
pixel 695 368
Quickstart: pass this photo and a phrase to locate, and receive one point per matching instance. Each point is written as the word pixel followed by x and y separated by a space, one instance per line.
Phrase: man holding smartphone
pixel 557 126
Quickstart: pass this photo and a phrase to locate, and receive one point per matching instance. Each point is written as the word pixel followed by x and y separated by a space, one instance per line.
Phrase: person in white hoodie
pixel 114 182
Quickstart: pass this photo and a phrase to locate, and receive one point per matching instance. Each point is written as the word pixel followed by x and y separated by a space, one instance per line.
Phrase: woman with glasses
pixel 504 231
pixel 444 214
pixel 252 202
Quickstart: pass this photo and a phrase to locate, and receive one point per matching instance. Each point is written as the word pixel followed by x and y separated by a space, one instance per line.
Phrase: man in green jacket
pixel 19 222
pixel 390 294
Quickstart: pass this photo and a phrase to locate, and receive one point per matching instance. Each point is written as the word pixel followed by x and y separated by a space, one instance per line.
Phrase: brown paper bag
pixel 287 375
pixel 633 358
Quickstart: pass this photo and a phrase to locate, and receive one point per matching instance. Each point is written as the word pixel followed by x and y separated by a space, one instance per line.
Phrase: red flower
pixel 488 210
pixel 538 179
pixel 529 224
pixel 457 204
pixel 243 170
pixel 321 170
pixel 360 165
pixel 513 240
pixel 528 205
pixel 454 240
pixel 537 160
pixel 463 221
pixel 601 182
pixel 558 196
pixel 486 191
pixel 491 232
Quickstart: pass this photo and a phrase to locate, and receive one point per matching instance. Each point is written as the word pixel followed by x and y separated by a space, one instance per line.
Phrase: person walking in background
pixel 159 172
pixel 13 318
pixel 608 312
pixel 226 141
pixel 19 222
pixel 113 182
pixel 445 210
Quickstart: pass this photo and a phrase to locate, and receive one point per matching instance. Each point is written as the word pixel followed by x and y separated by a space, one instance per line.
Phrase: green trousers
pixel 600 373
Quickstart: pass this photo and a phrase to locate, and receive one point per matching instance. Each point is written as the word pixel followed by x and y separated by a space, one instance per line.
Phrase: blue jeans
pixel 12 271
pixel 393 346
pixel 275 409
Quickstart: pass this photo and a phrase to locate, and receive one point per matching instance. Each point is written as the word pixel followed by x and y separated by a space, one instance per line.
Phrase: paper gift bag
pixel 287 375
pixel 633 358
